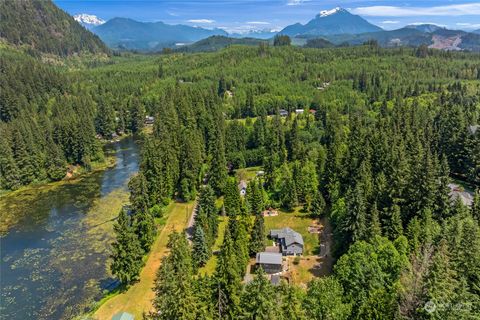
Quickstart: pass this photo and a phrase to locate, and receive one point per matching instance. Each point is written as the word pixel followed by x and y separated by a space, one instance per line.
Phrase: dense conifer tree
pixel 127 251
pixel 262 306
pixel 175 298
pixel 257 239
pixel 145 229
pixel 200 249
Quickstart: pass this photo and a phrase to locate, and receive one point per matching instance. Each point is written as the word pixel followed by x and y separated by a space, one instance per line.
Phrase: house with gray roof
pixel 289 241
pixel 270 262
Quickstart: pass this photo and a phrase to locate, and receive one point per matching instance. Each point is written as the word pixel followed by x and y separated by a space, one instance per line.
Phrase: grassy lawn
pixel 305 270
pixel 209 268
pixel 298 221
pixel 247 174
pixel 138 298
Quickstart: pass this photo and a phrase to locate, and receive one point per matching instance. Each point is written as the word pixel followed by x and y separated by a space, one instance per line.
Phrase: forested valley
pixel 371 142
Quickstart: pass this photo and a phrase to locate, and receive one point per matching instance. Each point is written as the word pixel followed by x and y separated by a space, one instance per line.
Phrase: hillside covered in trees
pixel 43 27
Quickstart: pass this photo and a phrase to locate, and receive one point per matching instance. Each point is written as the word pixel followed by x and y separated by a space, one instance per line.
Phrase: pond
pixel 54 253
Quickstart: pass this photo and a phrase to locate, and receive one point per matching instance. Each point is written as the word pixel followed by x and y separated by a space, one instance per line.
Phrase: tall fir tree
pixel 127 251
pixel 257 239
pixel 200 249
pixel 174 296
pixel 145 229
pixel 232 200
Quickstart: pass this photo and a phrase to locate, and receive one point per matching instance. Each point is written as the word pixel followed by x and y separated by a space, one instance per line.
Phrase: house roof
pixel 123 316
pixel 288 234
pixel 269 258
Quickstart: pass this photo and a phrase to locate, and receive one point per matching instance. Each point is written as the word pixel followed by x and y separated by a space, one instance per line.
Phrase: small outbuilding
pixel 283 113
pixel 149 120
pixel 123 316
pixel 270 262
pixel 270 212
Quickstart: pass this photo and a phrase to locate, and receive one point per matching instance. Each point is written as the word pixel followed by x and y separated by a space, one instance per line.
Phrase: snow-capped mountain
pixel 88 20
pixel 330 22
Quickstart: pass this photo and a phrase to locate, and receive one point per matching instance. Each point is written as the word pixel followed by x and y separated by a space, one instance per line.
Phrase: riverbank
pixel 138 298
pixel 27 193
pixel 74 173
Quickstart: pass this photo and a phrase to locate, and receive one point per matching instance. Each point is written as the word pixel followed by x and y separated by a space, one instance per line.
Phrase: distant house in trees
pixel 299 111
pixel 242 187
pixel 289 241
pixel 457 192
pixel 270 262
pixel 283 112
pixel 149 120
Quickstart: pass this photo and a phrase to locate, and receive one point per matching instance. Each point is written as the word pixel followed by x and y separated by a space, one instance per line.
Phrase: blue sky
pixel 243 15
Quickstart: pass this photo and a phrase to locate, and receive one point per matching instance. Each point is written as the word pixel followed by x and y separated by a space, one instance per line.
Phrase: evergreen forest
pixel 371 142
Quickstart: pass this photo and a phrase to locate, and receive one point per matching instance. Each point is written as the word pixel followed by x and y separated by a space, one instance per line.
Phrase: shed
pixel 283 112
pixel 270 262
pixel 123 316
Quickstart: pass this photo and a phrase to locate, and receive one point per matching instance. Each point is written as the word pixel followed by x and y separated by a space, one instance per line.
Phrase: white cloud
pixel 295 2
pixel 389 22
pixel 258 22
pixel 392 11
pixel 468 25
pixel 201 21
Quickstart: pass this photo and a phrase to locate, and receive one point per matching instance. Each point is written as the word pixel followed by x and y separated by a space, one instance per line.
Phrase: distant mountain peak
pixel 425 27
pixel 89 19
pixel 333 21
pixel 326 13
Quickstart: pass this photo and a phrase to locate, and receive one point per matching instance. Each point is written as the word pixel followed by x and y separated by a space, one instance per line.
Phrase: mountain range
pixel 337 26
pixel 414 35
pixel 43 27
pixel 124 33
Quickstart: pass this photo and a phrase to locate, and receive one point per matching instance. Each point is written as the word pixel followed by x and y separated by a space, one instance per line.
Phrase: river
pixel 54 251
